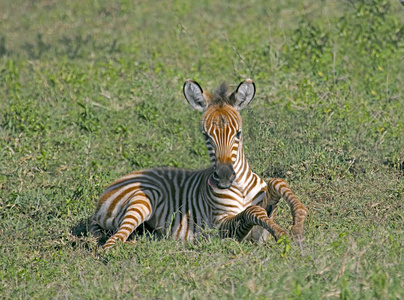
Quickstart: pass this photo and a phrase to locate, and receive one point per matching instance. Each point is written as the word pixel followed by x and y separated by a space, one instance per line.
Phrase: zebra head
pixel 221 126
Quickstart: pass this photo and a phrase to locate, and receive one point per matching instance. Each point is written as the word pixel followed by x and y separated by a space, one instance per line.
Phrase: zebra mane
pixel 222 95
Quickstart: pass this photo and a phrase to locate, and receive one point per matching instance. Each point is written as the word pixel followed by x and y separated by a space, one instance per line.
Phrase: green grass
pixel 91 90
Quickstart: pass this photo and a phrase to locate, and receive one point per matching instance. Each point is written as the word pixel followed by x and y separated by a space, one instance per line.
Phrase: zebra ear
pixel 244 93
pixel 194 95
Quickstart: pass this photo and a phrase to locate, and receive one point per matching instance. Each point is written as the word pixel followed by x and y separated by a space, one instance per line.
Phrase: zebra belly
pixel 175 201
pixel 183 222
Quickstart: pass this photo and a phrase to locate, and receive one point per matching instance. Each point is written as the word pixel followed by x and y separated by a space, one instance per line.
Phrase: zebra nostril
pixel 233 176
pixel 215 176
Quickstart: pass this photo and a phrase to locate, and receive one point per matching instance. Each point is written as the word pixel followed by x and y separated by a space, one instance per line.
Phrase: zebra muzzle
pixel 223 176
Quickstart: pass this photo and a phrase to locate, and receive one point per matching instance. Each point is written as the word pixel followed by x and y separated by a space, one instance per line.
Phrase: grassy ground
pixel 90 90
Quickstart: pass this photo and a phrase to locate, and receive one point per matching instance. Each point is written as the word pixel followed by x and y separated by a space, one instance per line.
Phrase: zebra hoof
pixel 281 234
pixel 298 233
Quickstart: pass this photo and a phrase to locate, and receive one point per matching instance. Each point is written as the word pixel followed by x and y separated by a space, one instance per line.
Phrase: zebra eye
pixel 238 135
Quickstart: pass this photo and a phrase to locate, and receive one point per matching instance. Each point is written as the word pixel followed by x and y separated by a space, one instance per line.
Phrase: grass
pixel 92 90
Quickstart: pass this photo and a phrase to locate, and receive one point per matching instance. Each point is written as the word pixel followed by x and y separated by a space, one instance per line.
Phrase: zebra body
pixel 181 203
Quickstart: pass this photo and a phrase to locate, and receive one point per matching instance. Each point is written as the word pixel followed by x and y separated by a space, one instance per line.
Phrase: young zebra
pixel 227 195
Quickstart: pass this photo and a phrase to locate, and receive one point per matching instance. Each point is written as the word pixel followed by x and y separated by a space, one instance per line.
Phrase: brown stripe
pixel 104 197
pixel 130 229
pixel 180 226
pixel 142 202
pixel 130 217
pixel 118 198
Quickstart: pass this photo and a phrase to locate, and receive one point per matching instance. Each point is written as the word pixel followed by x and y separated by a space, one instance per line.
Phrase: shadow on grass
pixel 396 164
pixel 83 236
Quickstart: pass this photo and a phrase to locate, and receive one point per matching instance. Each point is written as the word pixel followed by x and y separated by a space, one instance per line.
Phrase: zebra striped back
pixel 181 203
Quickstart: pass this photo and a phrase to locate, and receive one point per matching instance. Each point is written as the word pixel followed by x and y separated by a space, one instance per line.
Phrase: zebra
pixel 226 196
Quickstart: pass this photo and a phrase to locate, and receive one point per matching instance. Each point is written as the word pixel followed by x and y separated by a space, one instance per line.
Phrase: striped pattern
pixel 181 203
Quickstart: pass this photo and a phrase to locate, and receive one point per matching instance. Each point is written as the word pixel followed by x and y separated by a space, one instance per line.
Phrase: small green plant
pixel 88 120
pixel 284 242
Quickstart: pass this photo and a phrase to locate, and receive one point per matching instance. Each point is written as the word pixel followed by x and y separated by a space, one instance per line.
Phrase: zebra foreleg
pixel 240 225
pixel 278 188
pixel 258 233
pixel 137 211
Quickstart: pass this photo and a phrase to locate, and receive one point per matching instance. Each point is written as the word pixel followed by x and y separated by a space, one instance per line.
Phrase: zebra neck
pixel 242 168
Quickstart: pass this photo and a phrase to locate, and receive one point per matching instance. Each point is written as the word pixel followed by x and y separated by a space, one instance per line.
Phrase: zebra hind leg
pixel 138 210
pixel 278 188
